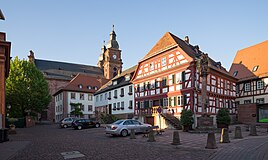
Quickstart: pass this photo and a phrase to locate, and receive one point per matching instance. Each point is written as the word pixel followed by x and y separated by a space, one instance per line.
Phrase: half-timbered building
pixel 170 78
pixel 250 67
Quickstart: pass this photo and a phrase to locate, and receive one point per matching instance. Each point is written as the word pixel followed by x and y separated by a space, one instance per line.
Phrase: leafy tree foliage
pixel 26 89
pixel 77 109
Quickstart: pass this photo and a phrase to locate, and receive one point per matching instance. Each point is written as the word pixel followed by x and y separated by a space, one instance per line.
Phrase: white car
pixel 124 126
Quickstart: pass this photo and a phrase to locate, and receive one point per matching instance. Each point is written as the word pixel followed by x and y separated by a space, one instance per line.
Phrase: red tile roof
pixel 166 42
pixel 248 58
pixel 85 81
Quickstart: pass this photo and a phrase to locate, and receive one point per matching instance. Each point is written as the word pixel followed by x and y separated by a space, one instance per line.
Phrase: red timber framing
pixel 252 88
pixel 168 76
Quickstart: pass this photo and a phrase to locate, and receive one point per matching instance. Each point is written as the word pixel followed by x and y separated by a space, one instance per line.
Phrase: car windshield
pixel 118 122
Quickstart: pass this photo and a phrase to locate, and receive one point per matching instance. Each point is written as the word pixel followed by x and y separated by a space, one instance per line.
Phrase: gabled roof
pixel 121 81
pixel 84 83
pixel 65 71
pixel 248 58
pixel 169 41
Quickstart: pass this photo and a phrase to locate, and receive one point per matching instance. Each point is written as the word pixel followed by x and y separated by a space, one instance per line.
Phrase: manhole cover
pixel 72 154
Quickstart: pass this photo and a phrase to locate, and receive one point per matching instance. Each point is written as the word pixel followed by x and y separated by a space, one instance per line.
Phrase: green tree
pixel 77 110
pixel 26 89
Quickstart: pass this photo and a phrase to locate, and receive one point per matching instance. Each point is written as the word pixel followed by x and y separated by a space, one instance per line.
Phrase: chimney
pixel 119 72
pixel 31 57
pixel 186 39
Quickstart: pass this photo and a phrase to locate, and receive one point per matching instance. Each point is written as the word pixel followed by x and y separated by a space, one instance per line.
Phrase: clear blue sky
pixel 74 30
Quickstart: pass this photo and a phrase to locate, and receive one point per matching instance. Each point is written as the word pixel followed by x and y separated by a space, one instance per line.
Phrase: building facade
pixel 117 97
pixel 77 93
pixel 59 74
pixel 250 67
pixel 175 75
pixel 4 70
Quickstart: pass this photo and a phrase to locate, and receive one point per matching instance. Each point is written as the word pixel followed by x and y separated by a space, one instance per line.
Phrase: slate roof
pixel 247 58
pixel 120 81
pixel 84 83
pixel 65 71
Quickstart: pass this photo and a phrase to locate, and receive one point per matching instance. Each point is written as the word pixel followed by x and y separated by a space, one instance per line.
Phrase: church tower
pixel 110 59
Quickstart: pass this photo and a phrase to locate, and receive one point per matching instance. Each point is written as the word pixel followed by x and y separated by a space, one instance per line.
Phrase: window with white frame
pixel 164 61
pixel 100 97
pixel 150 104
pixel 130 104
pixel 165 102
pixel 72 95
pixel 90 97
pixel 105 96
pixel 152 66
pixel 81 96
pixel 260 100
pixel 122 104
pixel 114 105
pixel 247 87
pixel 247 101
pixel 82 107
pixel 130 89
pixel 260 84
pixel 90 108
pixel 118 104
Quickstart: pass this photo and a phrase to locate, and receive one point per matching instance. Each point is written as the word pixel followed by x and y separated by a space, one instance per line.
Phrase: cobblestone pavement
pixel 48 142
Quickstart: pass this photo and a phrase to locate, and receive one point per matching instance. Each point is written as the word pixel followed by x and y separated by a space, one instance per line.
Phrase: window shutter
pixel 183 76
pixel 169 101
pixel 175 101
pixel 161 102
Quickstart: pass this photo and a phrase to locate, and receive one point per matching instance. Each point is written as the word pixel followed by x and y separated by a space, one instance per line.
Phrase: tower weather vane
pixel 2 15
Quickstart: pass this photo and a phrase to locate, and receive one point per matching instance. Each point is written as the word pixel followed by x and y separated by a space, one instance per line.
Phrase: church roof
pixel 251 62
pixel 65 71
pixel 121 81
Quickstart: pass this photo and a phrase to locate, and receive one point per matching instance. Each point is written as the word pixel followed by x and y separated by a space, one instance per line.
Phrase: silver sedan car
pixel 124 126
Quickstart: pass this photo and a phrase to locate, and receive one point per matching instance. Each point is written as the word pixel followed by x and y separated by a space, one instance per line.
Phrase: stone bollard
pixel 176 138
pixel 224 136
pixel 238 132
pixel 151 136
pixel 211 141
pixel 132 134
pixel 253 130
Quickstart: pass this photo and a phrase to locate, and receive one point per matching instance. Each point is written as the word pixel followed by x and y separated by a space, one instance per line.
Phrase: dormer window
pixel 255 68
pixel 89 87
pixel 80 86
pixel 114 82
pixel 235 73
pixel 127 77
pixel 95 88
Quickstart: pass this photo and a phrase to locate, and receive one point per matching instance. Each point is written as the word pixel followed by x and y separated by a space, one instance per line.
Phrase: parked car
pixel 123 127
pixel 85 123
pixel 67 122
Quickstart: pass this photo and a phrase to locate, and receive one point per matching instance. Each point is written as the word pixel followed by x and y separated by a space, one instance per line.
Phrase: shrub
pixel 223 116
pixel 187 117
pixel 108 118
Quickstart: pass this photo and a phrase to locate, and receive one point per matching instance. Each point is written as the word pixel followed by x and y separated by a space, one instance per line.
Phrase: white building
pixel 116 97
pixel 79 92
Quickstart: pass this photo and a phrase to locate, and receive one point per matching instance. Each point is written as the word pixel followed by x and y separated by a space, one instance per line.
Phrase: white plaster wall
pixel 124 99
pixel 85 102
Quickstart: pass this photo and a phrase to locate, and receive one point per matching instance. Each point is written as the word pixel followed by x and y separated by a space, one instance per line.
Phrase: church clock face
pixel 114 56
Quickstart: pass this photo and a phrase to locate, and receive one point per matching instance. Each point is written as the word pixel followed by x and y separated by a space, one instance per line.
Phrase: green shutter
pixel 183 76
pixel 175 101
pixel 169 101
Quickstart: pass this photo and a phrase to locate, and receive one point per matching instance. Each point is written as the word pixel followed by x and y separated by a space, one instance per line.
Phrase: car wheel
pixel 65 126
pixel 97 125
pixel 79 127
pixel 124 133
